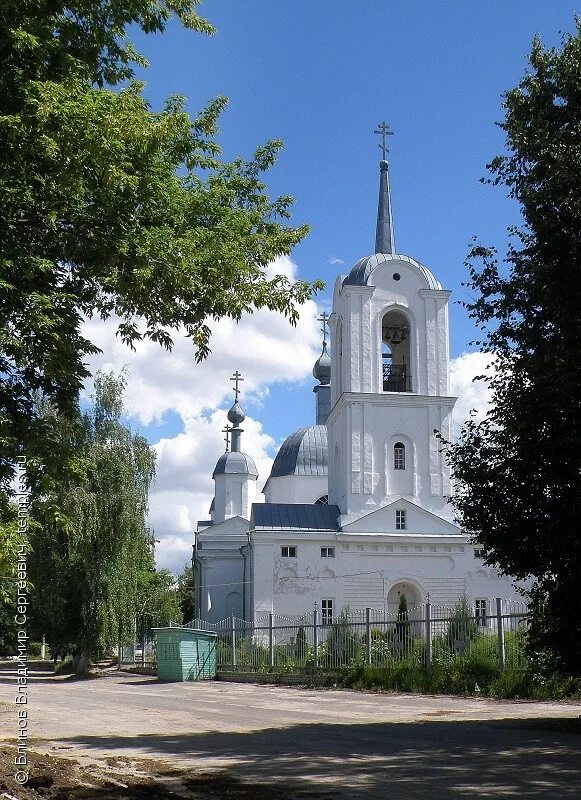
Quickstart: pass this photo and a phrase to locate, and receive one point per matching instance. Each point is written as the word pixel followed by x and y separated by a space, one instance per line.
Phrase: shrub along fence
pixel 423 636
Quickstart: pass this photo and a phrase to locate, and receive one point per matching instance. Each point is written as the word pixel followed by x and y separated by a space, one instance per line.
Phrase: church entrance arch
pixel 413 596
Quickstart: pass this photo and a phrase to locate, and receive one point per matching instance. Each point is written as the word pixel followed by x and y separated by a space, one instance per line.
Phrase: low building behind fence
pixel 424 635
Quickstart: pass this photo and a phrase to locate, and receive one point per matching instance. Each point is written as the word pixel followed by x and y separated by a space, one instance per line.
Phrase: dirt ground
pixel 53 778
pixel 130 737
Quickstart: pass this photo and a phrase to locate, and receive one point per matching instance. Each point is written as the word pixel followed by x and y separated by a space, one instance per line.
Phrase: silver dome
pixel 361 272
pixel 322 368
pixel 235 463
pixel 304 452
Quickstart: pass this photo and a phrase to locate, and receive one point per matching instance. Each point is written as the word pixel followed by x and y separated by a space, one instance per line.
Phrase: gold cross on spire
pixel 383 130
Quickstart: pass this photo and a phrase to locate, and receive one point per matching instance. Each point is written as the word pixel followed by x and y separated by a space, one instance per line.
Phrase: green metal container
pixel 185 654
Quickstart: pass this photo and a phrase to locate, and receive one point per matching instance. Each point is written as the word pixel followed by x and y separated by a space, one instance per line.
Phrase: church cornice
pixel 443 294
pixel 390 399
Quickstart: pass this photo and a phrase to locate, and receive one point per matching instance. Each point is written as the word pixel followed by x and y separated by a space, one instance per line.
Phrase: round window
pixel 396 276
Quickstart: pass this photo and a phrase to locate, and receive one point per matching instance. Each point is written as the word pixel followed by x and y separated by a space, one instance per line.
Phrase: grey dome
pixel 235 463
pixel 236 415
pixel 304 452
pixel 322 368
pixel 361 272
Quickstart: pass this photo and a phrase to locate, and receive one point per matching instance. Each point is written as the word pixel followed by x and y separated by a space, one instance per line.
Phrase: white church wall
pixel 221 569
pixel 234 495
pixel 222 587
pixel 364 570
pixel 295 488
pixel 362 428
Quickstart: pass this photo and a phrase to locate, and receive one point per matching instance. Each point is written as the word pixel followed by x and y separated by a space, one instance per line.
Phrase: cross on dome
pixel 237 378
pixel 383 130
pixel 324 318
pixel 227 430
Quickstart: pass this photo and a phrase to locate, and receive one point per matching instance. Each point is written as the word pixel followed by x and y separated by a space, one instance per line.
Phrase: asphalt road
pixel 337 744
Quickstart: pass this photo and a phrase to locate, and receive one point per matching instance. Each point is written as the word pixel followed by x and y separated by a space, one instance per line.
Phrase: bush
pixel 462 628
pixel 341 644
pixel 34 649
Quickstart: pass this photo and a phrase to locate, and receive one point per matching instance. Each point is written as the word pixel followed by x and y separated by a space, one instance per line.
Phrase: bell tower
pixel 390 378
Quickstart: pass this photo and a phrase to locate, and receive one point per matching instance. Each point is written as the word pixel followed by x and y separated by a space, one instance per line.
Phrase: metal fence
pixel 424 635
pixel 138 654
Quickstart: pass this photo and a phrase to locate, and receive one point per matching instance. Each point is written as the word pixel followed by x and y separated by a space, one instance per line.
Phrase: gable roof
pixel 234 524
pixel 421 521
pixel 294 517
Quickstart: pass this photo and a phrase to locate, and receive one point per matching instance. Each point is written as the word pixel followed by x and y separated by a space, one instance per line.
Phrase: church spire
pixel 384 241
pixel 236 415
pixel 322 372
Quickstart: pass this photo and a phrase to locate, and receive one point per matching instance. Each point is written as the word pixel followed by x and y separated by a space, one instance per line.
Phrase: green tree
pixel 519 471
pixel 402 626
pixel 92 546
pixel 301 644
pixel 185 590
pixel 342 645
pixel 462 628
pixel 108 208
pixel 158 603
pixel 9 541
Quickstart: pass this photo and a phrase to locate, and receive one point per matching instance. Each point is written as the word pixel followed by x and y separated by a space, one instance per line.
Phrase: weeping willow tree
pixel 94 546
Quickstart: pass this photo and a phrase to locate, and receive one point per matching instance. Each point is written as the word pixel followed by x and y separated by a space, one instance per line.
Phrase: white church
pixel 356 507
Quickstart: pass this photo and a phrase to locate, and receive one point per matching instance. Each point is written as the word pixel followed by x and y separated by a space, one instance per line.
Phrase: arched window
pixel 395 352
pixel 399 456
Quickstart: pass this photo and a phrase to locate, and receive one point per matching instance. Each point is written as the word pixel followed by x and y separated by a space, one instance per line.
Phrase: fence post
pixel 233 640
pixel 429 654
pixel 271 639
pixel 368 636
pixel 315 639
pixel 500 631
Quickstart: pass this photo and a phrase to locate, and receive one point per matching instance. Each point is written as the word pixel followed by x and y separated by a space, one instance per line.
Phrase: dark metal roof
pixel 361 272
pixel 235 463
pixel 304 452
pixel 294 517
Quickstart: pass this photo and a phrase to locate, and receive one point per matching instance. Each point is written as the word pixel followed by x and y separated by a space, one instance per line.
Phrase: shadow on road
pixel 518 758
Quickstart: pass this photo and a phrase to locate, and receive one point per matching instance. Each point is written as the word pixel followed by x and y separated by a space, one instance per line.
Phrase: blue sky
pixel 320 75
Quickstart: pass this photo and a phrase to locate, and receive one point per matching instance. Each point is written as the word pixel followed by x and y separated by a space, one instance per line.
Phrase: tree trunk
pixel 81 662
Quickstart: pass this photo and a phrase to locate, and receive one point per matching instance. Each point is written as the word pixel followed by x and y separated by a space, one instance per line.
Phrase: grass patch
pixel 476 678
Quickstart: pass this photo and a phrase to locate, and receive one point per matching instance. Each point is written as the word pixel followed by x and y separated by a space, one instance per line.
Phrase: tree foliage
pixel 519 471
pixel 158 604
pixel 109 208
pixel 185 590
pixel 9 541
pixel 92 546
pixel 402 626
pixel 462 627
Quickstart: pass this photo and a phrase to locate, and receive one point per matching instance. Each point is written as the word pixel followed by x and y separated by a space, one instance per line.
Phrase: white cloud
pixel 263 346
pixel 334 260
pixel 471 394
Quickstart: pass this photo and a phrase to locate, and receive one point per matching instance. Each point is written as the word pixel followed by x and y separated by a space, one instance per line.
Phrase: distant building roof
pixel 361 272
pixel 304 452
pixel 294 517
